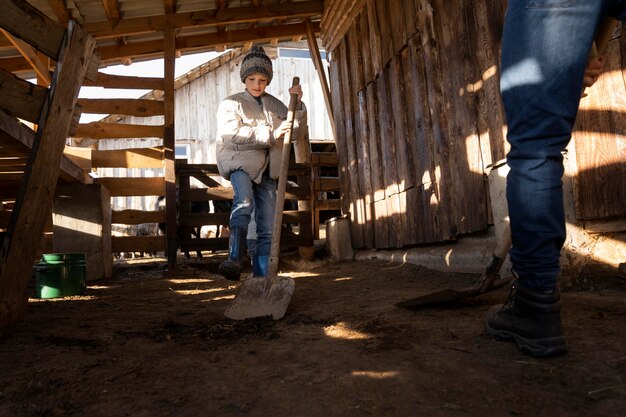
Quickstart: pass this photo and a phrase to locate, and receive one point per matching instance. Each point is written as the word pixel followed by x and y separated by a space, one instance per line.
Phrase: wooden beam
pixel 128 158
pixel 32 26
pixel 31 55
pixel 130 186
pixel 129 107
pixel 137 216
pixel 61 12
pixel 21 98
pixel 319 67
pixel 20 139
pixel 125 82
pixel 229 38
pixel 169 143
pixel 111 9
pixel 204 18
pixel 169 6
pixel 34 203
pixel 97 130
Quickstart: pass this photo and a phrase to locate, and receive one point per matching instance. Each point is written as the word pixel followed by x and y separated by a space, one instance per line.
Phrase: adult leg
pixel 265 206
pixel 239 220
pixel 545 48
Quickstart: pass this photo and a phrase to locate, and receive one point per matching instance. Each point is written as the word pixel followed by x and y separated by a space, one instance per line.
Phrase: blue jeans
pixel 261 197
pixel 545 47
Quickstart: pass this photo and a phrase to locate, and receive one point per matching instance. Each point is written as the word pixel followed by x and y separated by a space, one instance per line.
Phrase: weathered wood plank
pixel 374 39
pixel 340 141
pixel 169 142
pixel 386 37
pixel 397 11
pixel 231 38
pixel 128 158
pixel 29 24
pixel 21 98
pixel 349 123
pixel 338 19
pixel 399 110
pixel 437 178
pixel 125 187
pixel 205 18
pixel 125 82
pixel 365 48
pixel 327 159
pixel 137 216
pixel 319 67
pixel 600 180
pixel 468 194
pixel 98 130
pixel 34 202
pixel 123 106
pixel 36 60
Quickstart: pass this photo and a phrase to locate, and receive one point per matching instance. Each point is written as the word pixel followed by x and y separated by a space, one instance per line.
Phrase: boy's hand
pixel 282 129
pixel 296 89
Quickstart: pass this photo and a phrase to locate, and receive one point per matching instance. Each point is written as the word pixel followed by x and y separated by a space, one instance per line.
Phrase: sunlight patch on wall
pixel 342 279
pixel 342 331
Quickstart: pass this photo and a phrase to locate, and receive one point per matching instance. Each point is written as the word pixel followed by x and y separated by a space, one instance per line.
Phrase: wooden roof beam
pixel 112 10
pixel 29 24
pixel 61 12
pixel 33 58
pixel 206 18
pixel 229 38
pixel 169 6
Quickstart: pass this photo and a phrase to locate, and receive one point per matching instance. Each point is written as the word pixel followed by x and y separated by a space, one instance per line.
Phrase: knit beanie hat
pixel 256 61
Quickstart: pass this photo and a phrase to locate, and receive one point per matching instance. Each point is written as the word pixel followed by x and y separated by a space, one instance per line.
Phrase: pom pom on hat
pixel 256 61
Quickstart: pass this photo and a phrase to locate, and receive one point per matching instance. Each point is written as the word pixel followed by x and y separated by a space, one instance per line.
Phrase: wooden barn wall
pixel 196 106
pixel 418 117
pixel 599 141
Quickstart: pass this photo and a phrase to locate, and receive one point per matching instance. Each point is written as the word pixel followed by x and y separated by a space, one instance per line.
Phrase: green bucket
pixel 61 275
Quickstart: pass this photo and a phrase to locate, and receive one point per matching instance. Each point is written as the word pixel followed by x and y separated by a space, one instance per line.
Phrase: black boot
pixel 231 268
pixel 532 319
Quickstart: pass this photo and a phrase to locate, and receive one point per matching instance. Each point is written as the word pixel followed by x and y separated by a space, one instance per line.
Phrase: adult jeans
pixel 545 47
pixel 261 197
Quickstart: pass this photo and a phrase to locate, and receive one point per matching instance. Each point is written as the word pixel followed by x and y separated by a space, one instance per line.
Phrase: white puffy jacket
pixel 245 139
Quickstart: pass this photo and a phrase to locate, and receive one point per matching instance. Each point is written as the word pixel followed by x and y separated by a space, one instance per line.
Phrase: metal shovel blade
pixel 449 295
pixel 261 297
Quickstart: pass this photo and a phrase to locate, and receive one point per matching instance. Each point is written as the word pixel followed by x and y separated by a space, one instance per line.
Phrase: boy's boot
pixel 260 265
pixel 531 318
pixel 231 268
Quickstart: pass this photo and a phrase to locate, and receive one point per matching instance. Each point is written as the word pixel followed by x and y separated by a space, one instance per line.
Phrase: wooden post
pixel 34 203
pixel 317 61
pixel 302 151
pixel 169 142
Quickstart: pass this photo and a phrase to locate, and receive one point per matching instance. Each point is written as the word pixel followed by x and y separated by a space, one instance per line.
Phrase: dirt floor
pixel 152 342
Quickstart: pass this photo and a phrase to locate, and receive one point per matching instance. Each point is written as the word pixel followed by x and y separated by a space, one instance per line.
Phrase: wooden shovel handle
pixel 282 186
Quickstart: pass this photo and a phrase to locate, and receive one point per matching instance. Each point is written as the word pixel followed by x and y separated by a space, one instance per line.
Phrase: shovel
pixel 270 295
pixel 489 280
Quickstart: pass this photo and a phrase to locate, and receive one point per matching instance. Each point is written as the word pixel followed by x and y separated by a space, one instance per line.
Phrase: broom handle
pixel 282 186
